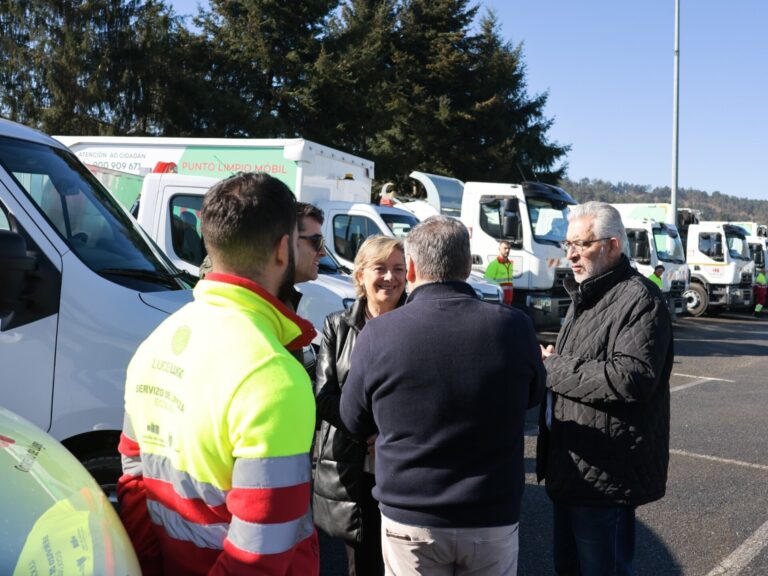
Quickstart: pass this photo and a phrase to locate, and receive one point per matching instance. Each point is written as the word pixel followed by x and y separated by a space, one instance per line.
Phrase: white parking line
pixel 743 555
pixel 702 377
pixel 700 380
pixel 721 460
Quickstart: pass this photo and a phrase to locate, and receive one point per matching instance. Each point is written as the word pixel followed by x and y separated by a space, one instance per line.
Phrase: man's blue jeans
pixel 591 541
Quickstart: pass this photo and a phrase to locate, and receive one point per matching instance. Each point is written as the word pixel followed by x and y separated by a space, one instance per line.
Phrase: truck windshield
pixel 549 219
pixel 399 224
pixel 87 217
pixel 669 247
pixel 737 246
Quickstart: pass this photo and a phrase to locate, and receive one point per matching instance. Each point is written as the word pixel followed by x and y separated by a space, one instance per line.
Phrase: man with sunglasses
pixel 603 443
pixel 311 242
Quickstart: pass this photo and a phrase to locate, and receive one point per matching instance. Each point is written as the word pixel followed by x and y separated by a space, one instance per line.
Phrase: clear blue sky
pixel 607 66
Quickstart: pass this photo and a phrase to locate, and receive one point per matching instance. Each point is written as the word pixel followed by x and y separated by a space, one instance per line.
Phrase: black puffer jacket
pixel 339 471
pixel 609 382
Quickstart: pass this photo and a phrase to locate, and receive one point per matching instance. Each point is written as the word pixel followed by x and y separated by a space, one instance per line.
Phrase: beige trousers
pixel 418 551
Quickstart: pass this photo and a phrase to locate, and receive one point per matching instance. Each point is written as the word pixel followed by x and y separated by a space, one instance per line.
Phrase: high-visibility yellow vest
pixel 220 414
pixel 499 271
pixel 656 280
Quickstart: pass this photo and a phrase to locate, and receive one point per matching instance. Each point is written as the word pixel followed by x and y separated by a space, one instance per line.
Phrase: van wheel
pixel 106 468
pixel 696 300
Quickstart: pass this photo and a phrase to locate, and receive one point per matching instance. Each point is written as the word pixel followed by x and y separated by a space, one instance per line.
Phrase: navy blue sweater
pixel 445 380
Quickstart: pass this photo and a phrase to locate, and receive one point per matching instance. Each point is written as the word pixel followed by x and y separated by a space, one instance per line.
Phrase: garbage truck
pixel 655 242
pixel 718 259
pixel 531 216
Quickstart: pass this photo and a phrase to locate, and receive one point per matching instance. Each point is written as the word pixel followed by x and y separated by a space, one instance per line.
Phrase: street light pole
pixel 672 216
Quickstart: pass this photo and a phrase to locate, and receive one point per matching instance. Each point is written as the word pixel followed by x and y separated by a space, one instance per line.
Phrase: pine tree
pixel 87 67
pixel 504 131
pixel 260 53
pixel 350 78
pixel 427 90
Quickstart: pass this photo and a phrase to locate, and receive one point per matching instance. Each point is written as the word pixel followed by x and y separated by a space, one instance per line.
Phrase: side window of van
pixel 4 224
pixel 349 232
pixel 186 237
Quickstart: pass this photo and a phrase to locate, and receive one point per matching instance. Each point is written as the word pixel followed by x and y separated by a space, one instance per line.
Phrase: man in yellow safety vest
pixel 761 287
pixel 501 271
pixel 219 416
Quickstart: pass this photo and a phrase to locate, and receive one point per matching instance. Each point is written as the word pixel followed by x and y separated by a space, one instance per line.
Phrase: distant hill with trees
pixel 713 206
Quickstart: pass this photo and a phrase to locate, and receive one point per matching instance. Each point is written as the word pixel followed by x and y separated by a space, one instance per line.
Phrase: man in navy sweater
pixel 445 380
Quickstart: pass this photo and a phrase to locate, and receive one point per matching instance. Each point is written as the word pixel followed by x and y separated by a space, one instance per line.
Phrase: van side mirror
pixel 639 246
pixel 717 249
pixel 14 265
pixel 511 223
pixel 512 228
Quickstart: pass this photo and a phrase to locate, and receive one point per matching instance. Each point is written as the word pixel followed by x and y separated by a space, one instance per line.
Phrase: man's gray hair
pixel 607 221
pixel 439 248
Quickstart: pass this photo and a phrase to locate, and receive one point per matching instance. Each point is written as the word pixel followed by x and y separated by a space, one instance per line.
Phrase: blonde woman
pixel 343 504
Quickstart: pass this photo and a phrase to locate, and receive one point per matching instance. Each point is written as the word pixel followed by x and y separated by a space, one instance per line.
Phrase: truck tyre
pixel 696 300
pixel 106 468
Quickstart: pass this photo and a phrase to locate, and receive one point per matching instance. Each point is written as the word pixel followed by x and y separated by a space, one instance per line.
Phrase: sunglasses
pixel 316 240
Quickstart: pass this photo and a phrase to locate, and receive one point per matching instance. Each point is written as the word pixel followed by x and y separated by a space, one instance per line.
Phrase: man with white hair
pixel 445 380
pixel 603 444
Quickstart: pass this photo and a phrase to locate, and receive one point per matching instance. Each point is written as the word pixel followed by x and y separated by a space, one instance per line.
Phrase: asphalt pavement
pixel 714 519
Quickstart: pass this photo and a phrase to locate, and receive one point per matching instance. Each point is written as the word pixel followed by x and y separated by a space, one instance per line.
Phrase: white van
pixel 81 285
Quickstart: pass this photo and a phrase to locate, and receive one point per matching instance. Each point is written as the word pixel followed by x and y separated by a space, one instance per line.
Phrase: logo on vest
pixel 180 339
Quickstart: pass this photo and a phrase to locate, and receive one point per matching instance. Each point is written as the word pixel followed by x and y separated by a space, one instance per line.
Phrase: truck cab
pixel 652 242
pixel 532 217
pixel 347 225
pixel 169 210
pixel 81 285
pixel 721 268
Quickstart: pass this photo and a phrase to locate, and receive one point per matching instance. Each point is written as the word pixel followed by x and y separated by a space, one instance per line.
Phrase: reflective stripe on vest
pixel 274 472
pixel 270 538
pixel 184 484
pixel 201 535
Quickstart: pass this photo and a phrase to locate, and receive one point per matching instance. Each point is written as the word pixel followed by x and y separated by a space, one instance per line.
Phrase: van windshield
pixel 87 217
pixel 399 224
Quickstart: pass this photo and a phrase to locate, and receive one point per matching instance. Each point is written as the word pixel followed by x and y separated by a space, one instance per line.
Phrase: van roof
pixel 21 132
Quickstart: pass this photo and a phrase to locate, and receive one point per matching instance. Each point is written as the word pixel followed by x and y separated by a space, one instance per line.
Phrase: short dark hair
pixel 439 247
pixel 244 217
pixel 306 210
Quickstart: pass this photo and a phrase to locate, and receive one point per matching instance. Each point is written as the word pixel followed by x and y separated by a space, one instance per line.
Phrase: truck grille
pixel 677 288
pixel 746 280
pixel 560 275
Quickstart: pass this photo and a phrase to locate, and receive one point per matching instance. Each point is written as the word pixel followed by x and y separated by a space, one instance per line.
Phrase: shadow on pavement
pixel 652 557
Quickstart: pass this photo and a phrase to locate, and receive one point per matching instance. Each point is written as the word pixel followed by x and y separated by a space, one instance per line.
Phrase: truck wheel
pixel 106 468
pixel 696 300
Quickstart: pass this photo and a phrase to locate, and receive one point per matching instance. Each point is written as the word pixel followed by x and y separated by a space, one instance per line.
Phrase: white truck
pixel 337 182
pixel 653 242
pixel 757 238
pixel 81 285
pixel 721 268
pixel 531 216
pixel 717 257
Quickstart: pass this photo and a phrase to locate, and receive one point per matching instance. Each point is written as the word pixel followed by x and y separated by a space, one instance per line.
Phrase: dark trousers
pixel 591 541
pixel 364 558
